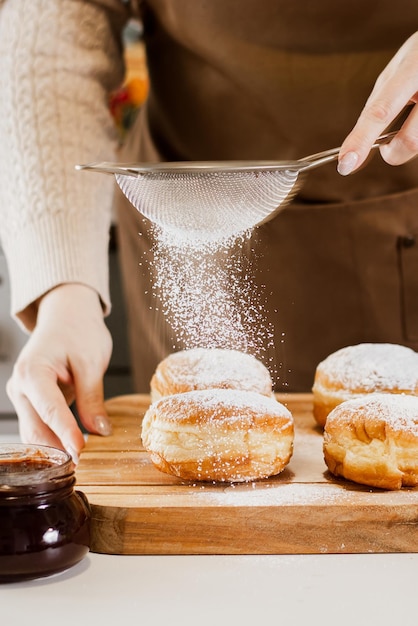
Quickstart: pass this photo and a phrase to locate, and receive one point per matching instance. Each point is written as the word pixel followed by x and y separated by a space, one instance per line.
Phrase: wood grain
pixel 138 510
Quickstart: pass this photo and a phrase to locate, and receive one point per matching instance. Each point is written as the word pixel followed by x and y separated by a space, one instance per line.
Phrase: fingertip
pixel 74 454
pixel 102 425
pixel 91 409
pixel 96 421
pixel 74 445
pixel 347 163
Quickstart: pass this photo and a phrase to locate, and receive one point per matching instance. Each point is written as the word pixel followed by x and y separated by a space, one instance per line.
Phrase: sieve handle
pixel 314 160
pixel 208 167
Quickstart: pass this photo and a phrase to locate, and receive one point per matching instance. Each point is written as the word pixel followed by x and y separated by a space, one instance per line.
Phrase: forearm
pixel 58 61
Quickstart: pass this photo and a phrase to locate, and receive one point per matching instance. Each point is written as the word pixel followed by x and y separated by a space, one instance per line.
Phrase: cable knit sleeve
pixel 58 61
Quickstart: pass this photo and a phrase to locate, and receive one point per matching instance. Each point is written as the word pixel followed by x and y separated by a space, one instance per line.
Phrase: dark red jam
pixel 44 521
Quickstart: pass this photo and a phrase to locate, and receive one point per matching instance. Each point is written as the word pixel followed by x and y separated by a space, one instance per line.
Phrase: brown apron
pixel 273 79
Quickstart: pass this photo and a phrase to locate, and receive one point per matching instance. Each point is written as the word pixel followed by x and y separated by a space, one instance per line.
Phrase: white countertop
pixel 369 589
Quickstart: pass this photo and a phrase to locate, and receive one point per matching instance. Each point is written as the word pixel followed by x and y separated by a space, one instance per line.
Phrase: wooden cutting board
pixel 138 510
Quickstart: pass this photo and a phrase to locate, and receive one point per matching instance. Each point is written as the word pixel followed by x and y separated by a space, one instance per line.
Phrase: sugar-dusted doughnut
pixel 361 369
pixel 219 435
pixel 373 440
pixel 209 368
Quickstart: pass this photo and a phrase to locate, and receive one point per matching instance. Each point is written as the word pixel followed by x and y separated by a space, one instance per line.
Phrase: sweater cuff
pixel 59 250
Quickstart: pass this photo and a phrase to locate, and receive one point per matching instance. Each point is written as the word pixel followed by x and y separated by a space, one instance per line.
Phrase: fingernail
pixel 348 163
pixel 102 426
pixel 73 454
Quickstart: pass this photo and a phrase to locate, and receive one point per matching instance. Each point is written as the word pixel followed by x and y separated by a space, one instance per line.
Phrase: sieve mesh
pixel 208 205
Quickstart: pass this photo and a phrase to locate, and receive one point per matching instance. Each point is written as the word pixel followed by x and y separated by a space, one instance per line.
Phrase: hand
pixel 395 88
pixel 64 360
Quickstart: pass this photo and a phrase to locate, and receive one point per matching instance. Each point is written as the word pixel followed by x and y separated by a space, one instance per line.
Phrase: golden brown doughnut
pixel 361 369
pixel 209 368
pixel 219 435
pixel 373 440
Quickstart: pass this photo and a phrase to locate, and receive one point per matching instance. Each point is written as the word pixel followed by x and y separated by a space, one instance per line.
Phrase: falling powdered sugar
pixel 208 295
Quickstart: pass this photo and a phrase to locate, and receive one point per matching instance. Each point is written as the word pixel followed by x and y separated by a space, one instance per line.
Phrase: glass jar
pixel 44 521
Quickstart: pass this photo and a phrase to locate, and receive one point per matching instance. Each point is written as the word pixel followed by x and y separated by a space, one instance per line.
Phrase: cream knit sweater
pixel 58 61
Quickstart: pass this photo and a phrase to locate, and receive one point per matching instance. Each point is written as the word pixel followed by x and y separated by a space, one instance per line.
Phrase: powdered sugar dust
pixel 208 296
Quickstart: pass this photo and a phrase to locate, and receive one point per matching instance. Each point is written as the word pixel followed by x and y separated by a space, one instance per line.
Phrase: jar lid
pixel 24 465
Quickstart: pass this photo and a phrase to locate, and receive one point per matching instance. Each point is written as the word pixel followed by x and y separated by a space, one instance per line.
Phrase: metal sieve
pixel 213 199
